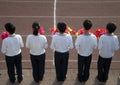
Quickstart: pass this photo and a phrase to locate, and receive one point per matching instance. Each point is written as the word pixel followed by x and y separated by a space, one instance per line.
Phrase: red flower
pixel 67 31
pixel 81 31
pixel 53 30
pixel 100 31
pixel 4 35
pixel 73 32
pixel 41 30
pixel 91 30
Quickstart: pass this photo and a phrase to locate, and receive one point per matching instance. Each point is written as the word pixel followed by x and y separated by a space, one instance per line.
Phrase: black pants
pixel 12 62
pixel 38 66
pixel 83 67
pixel 61 65
pixel 103 65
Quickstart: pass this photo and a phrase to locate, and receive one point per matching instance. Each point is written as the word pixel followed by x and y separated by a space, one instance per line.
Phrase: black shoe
pixel 37 81
pixel 84 81
pixel 20 80
pixel 80 80
pixel 100 80
pixel 12 81
pixel 60 79
pixel 64 79
pixel 103 81
pixel 41 79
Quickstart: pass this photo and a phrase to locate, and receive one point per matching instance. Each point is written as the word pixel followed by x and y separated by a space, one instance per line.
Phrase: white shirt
pixel 11 45
pixel 85 44
pixel 61 42
pixel 36 44
pixel 107 45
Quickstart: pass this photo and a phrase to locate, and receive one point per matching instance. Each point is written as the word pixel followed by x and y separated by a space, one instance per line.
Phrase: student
pixel 108 44
pixel 61 43
pixel 37 44
pixel 11 48
pixel 85 44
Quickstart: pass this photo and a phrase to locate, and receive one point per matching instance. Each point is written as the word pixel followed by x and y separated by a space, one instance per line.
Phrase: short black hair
pixel 36 27
pixel 61 27
pixel 10 28
pixel 87 24
pixel 111 27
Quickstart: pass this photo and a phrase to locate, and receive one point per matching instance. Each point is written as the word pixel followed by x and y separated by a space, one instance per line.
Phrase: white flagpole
pixel 55 2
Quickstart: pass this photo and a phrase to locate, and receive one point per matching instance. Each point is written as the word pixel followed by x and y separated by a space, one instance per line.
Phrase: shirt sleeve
pixel 52 46
pixel 21 42
pixel 4 47
pixel 71 42
pixel 116 47
pixel 95 42
pixel 100 43
pixel 27 42
pixel 46 44
pixel 77 43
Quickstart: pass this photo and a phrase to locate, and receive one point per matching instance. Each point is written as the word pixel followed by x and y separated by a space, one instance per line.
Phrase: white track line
pixel 26 16
pixel 13 1
pixel 87 2
pixel 67 2
pixel 88 16
pixel 60 16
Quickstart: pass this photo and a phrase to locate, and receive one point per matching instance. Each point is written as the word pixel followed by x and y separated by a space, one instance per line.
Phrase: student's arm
pixel 4 47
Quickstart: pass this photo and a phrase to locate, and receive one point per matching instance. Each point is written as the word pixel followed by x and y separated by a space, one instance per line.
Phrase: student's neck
pixel 61 32
pixel 12 34
pixel 87 32
pixel 110 34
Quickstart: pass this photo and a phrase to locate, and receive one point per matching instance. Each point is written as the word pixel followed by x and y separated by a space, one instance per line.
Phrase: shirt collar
pixel 12 35
pixel 61 34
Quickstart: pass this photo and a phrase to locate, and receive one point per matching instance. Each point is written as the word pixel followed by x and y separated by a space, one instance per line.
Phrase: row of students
pixel 61 44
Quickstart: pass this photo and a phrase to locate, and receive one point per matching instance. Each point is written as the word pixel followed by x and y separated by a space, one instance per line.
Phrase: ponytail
pixel 35 32
pixel 36 28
